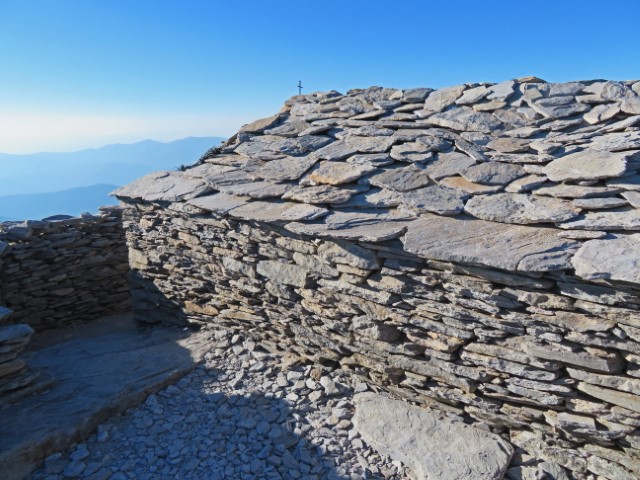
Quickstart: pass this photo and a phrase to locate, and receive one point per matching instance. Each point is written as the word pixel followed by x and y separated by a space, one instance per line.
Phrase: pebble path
pixel 240 415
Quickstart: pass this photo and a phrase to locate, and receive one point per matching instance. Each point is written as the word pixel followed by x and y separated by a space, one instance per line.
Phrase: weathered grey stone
pixel 440 99
pixel 219 203
pixel 163 187
pixel 465 185
pixel 617 258
pixel 336 173
pixel 599 203
pixel 348 254
pixel 509 144
pixel 610 220
pixel 322 193
pixel 373 159
pixel 411 152
pixel 588 165
pixel 290 128
pixel 491 173
pixel 480 242
pixel 259 126
pixel 631 182
pixel 464 118
pixel 633 198
pixel 552 108
pixel 286 169
pixel 631 105
pixel 401 179
pixel 270 147
pixel 526 184
pixel 277 211
pixel 615 142
pixel 433 143
pixel 375 198
pixel 335 151
pixel 502 91
pixel 416 95
pixel 449 164
pixel 257 189
pixel 519 208
pixel 610 364
pixel 435 198
pixel 281 272
pixel 575 191
pixel 473 95
pixel 625 400
pixel 431 445
pixel 14 333
pixel 581 234
pixel 370 144
pixel 601 113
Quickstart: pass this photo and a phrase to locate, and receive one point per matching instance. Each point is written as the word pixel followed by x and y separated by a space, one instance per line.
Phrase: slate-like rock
pixel 602 203
pixel 440 99
pixel 633 198
pixel 617 258
pixel 281 272
pixel 631 183
pixel 270 147
pixel 257 189
pixel 473 95
pixel 163 187
pixel 278 211
pixel 336 173
pixel 435 198
pixel 491 173
pixel 520 208
pixel 373 159
pixel 609 220
pixel 465 119
pixel 411 152
pixel 401 179
pixel 259 126
pixel 615 142
pixel 588 165
pixel 219 203
pixel 370 144
pixel 449 164
pixel 575 191
pixel 469 240
pixel 430 444
pixel 469 187
pixel 322 193
pixel 601 113
pixel 335 151
pixel 286 169
pixel 509 144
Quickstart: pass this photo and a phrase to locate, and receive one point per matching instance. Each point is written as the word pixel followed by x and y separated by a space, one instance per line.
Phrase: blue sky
pixel 75 74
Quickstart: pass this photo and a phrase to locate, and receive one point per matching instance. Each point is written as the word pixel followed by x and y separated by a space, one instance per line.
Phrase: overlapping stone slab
pixel 163 187
pixel 469 240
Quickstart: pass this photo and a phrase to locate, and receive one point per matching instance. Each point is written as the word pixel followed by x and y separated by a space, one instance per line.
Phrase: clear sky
pixel 80 73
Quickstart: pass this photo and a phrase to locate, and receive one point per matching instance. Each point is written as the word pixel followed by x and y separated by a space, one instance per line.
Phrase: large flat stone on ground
pixel 505 246
pixel 100 370
pixel 520 208
pixel 432 445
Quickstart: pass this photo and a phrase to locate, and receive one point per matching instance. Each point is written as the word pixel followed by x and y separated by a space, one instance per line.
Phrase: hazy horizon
pixel 80 74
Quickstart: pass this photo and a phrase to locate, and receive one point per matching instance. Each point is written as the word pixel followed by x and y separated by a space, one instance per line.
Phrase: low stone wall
pixel 64 271
pixel 550 359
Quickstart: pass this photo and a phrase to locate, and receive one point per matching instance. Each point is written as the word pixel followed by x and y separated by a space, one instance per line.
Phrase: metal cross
pixel 299 87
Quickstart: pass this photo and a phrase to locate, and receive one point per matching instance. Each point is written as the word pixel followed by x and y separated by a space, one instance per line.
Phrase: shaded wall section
pixel 66 270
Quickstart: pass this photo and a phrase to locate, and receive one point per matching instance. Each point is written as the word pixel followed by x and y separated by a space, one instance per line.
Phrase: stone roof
pixel 522 175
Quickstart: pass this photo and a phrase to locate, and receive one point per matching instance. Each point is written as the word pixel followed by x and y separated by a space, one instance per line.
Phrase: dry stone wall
pixel 551 358
pixel 474 248
pixel 65 270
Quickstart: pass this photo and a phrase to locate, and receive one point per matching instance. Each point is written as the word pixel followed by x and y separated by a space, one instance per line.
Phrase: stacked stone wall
pixel 64 271
pixel 549 359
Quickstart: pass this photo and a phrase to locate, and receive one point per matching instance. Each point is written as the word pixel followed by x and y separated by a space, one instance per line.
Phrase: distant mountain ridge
pixel 37 185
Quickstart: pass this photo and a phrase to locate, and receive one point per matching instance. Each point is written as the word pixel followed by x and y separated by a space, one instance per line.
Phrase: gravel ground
pixel 243 414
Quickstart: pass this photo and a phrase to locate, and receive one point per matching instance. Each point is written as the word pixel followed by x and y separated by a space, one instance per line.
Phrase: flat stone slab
pixel 278 211
pixel 612 259
pixel 520 208
pixel 219 203
pixel 100 370
pixel 588 165
pixel 500 245
pixel 163 186
pixel 432 445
